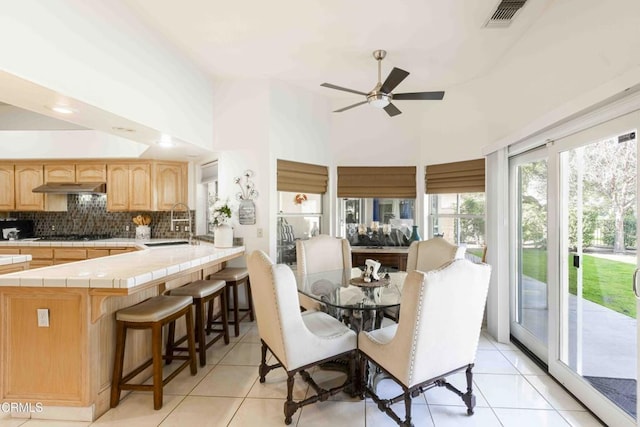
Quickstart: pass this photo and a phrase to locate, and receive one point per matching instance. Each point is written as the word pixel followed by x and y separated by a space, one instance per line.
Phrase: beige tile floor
pixel 511 391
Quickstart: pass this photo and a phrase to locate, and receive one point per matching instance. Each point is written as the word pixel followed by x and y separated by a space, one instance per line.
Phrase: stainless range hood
pixel 72 188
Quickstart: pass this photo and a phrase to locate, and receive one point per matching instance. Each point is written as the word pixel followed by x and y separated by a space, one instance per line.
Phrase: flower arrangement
pixel 300 198
pixel 221 213
pixel 247 189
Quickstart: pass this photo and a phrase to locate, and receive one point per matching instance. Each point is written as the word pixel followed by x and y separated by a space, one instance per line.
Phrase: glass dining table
pixel 360 305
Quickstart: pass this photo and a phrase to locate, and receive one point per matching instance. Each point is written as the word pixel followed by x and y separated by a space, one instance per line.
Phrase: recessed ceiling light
pixel 166 141
pixel 121 129
pixel 62 109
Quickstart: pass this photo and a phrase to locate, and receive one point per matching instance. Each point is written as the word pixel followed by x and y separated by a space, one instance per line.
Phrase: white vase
pixel 223 236
pixel 143 232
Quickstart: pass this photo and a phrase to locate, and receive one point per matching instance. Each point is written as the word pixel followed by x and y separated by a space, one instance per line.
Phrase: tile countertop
pixel 14 259
pixel 127 270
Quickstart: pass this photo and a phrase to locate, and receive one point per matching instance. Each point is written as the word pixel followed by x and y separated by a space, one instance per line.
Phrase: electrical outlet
pixel 259 232
pixel 126 228
pixel 177 228
pixel 43 317
pixel 53 228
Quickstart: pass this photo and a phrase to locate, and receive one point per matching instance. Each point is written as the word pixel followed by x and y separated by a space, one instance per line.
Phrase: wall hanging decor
pixel 246 195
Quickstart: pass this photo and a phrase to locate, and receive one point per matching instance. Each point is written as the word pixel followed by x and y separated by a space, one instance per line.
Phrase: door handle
pixel 576 261
pixel 635 282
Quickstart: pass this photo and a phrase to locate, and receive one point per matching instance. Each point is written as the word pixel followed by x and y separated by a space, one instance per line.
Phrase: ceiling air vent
pixel 504 13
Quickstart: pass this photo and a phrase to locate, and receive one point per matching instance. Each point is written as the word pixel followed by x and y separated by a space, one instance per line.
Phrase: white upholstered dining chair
pixel 427 255
pixel 297 340
pixel 319 254
pixel 430 254
pixel 440 318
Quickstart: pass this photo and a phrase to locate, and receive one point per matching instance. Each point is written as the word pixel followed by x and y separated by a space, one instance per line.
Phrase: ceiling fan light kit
pixel 381 95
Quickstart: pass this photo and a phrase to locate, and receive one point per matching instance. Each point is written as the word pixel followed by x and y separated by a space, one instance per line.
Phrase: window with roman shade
pixel 384 181
pixel 300 209
pixel 302 177
pixel 457 204
pixel 456 177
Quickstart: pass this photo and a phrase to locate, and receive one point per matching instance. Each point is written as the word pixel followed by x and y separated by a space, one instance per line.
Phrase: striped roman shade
pixel 302 177
pixel 457 177
pixel 385 181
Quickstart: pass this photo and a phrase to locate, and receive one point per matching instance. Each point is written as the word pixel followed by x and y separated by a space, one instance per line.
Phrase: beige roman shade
pixel 302 177
pixel 386 181
pixel 457 177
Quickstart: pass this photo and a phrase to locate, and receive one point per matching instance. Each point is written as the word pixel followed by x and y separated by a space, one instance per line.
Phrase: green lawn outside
pixel 605 282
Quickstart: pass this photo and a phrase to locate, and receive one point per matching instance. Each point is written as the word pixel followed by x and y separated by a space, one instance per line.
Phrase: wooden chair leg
pixel 156 345
pixel 236 316
pixel 191 341
pixel 263 363
pixel 224 303
pixel 171 335
pixel 118 362
pixel 249 299
pixel 290 406
pixel 200 328
pixel 407 409
pixel 210 315
pixel 468 398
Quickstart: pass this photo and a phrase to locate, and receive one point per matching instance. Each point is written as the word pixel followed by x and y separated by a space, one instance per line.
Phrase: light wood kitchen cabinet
pixel 91 172
pixel 40 257
pixel 7 187
pixel 170 184
pixel 78 172
pixel 59 173
pixel 129 186
pixel 27 177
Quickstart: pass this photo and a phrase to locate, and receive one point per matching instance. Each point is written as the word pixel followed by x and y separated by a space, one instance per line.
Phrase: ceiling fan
pixel 381 96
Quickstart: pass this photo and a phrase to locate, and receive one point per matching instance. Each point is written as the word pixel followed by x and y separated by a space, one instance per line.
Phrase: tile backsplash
pixel 87 214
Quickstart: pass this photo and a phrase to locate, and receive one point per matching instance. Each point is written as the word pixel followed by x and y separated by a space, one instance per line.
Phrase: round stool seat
pixel 232 274
pixel 200 288
pixel 154 309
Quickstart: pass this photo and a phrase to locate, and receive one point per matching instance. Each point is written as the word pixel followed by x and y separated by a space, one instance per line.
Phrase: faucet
pixel 188 218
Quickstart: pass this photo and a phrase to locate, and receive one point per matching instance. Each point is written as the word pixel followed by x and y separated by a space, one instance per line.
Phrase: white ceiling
pixel 441 43
pixel 497 80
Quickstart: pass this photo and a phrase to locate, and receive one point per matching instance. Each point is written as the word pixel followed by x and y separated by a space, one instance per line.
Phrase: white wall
pixel 96 52
pixel 255 123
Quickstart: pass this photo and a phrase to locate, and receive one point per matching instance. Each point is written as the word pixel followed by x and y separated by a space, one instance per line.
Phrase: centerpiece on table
pixel 143 231
pixel 221 218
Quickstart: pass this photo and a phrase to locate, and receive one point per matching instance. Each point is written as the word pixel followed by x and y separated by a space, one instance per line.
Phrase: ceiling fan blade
pixel 436 96
pixel 393 79
pixel 392 110
pixel 349 107
pixel 330 86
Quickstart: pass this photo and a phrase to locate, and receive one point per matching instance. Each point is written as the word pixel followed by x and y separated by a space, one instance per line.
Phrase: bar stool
pixel 202 292
pixel 153 314
pixel 235 277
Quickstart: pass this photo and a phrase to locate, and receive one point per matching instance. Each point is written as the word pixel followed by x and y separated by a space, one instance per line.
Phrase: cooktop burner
pixel 75 237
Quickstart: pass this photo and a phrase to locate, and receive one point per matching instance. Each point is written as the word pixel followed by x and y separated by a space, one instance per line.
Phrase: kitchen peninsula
pixel 62 357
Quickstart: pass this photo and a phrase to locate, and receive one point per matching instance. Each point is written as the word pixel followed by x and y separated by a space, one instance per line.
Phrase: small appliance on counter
pixel 15 229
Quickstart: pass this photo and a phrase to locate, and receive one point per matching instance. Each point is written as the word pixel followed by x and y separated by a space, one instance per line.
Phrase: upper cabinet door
pixel 91 172
pixel 27 177
pixel 117 187
pixel 170 185
pixel 140 186
pixel 7 188
pixel 59 173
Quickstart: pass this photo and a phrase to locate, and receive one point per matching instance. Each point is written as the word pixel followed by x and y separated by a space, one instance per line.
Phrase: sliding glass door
pixel 595 346
pixel 573 262
pixel 529 306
